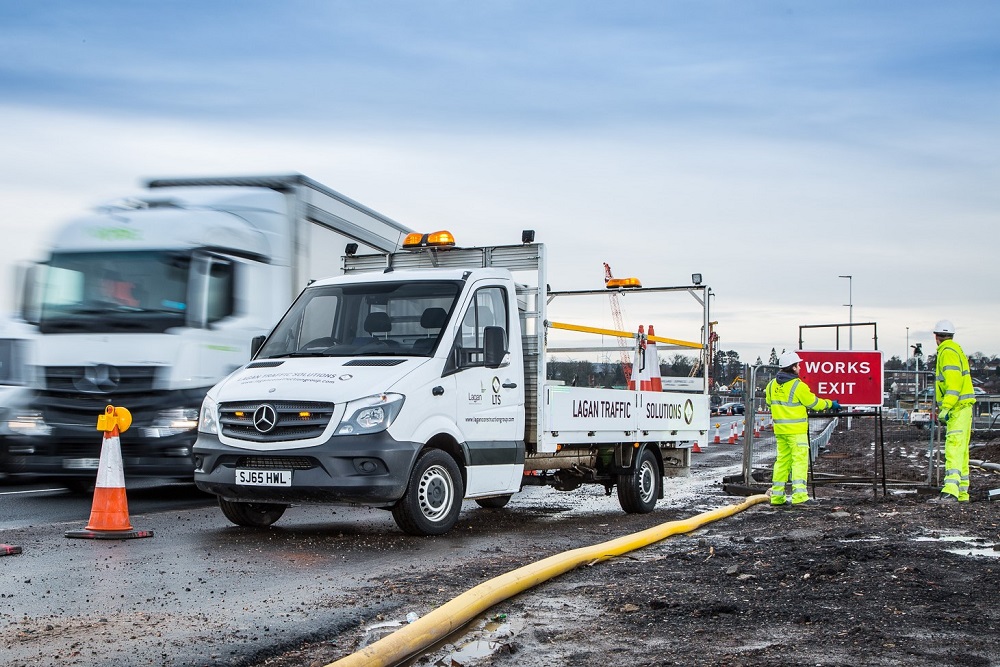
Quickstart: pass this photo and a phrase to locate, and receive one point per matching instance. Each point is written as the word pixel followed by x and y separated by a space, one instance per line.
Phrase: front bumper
pixel 67 454
pixel 366 469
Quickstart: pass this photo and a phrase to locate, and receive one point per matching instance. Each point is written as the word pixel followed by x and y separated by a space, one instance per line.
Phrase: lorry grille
pixel 101 379
pixel 290 420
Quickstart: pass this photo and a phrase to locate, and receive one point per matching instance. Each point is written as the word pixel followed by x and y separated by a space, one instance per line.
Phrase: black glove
pixel 835 407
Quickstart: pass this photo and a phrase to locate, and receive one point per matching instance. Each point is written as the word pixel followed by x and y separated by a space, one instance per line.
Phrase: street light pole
pixel 850 305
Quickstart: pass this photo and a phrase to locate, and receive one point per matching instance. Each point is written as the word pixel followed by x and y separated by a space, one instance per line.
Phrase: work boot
pixel 806 504
pixel 944 499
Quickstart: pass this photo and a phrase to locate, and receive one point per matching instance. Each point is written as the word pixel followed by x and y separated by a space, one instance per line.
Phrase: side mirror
pixel 494 346
pixel 255 344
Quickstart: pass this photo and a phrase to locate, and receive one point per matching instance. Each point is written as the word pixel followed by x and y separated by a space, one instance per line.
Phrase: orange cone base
pixel 9 550
pixel 108 534
pixel 695 448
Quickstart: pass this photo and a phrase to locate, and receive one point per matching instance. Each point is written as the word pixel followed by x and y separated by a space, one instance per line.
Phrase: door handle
pixel 509 385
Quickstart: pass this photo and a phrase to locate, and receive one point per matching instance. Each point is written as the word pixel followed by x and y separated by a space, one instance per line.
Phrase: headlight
pixel 208 422
pixel 28 422
pixel 370 414
pixel 172 422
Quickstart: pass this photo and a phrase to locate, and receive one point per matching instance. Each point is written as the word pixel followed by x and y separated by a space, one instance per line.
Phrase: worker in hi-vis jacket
pixel 955 396
pixel 789 399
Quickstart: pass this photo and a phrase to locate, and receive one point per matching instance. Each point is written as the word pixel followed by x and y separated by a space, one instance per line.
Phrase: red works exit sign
pixel 848 377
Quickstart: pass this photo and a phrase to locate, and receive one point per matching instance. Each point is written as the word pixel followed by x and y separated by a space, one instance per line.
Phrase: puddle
pixel 975 547
pixel 376 631
pixel 477 641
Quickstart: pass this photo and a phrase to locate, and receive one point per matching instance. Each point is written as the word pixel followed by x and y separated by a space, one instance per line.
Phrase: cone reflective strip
pixel 655 382
pixel 110 509
pixel 640 372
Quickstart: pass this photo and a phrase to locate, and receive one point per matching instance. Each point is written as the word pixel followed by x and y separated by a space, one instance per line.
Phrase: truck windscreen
pixel 137 291
pixel 378 319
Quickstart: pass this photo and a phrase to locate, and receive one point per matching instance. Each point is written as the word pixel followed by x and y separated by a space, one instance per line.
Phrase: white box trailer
pixel 418 379
pixel 151 299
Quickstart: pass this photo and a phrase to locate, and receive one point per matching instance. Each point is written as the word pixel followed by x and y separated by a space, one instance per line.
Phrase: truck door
pixel 489 400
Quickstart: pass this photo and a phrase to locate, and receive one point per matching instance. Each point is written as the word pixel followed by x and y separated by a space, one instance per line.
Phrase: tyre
pixel 252 515
pixel 639 489
pixel 494 503
pixel 433 497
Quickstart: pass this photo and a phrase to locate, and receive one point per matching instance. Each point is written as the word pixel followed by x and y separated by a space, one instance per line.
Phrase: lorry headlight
pixel 207 422
pixel 370 414
pixel 28 422
pixel 172 422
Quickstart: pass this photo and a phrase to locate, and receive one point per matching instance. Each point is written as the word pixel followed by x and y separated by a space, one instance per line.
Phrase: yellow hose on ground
pixel 454 614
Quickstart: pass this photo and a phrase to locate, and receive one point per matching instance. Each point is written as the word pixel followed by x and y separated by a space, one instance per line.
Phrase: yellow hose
pixel 454 614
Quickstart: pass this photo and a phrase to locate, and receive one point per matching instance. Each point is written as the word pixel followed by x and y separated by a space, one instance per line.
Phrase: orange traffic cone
pixel 640 372
pixel 109 513
pixel 695 448
pixel 653 364
pixel 756 426
pixel 9 550
pixel 718 439
pixel 732 433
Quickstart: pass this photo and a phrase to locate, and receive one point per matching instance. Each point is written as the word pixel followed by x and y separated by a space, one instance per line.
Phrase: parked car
pixel 729 409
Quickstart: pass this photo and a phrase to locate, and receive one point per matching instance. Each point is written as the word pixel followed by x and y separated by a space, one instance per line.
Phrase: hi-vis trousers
pixel 792 459
pixel 958 431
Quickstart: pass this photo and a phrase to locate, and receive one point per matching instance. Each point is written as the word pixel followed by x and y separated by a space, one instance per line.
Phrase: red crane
pixel 616 314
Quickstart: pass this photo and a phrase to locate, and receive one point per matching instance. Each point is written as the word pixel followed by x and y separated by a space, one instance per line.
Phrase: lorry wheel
pixel 433 497
pixel 639 489
pixel 252 515
pixel 494 503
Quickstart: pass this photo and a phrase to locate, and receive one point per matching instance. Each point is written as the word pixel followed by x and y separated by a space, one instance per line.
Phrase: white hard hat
pixel 945 327
pixel 788 359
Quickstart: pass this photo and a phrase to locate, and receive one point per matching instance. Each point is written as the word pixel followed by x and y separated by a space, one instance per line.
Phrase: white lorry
pixel 149 301
pixel 417 380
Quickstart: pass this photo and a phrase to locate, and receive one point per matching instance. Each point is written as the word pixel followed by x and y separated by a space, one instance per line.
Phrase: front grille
pixel 298 420
pixel 101 380
pixel 276 462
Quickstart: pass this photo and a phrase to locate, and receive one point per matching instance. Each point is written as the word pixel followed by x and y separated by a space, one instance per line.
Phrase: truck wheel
pixel 639 489
pixel 252 515
pixel 433 497
pixel 494 503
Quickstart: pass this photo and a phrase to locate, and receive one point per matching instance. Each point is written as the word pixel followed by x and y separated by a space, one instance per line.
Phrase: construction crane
pixel 616 315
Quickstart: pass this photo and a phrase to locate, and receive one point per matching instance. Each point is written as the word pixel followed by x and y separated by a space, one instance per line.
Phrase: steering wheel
pixel 316 343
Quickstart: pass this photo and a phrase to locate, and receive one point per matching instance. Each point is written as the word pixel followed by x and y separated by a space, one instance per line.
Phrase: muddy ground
pixel 861 579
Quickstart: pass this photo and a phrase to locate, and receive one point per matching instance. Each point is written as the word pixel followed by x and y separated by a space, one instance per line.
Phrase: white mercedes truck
pixel 418 379
pixel 150 300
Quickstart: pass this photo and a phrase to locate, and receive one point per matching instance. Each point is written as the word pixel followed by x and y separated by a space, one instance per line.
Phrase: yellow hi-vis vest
pixel 789 402
pixel 953 381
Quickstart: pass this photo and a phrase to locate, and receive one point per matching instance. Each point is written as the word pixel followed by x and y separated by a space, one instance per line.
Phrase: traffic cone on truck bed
pixel 109 513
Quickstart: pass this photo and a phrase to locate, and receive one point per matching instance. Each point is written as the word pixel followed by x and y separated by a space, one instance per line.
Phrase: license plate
pixel 263 477
pixel 81 464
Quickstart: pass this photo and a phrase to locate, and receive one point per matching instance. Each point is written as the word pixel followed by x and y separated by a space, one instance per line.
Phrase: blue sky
pixel 771 146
